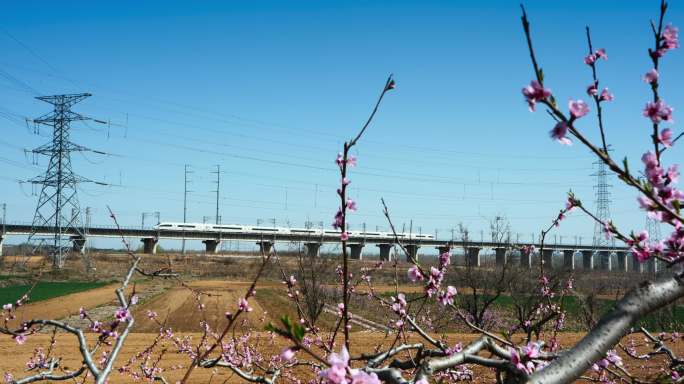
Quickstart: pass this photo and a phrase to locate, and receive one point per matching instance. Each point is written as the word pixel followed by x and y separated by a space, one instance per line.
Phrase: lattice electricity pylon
pixel 653 229
pixel 602 203
pixel 58 205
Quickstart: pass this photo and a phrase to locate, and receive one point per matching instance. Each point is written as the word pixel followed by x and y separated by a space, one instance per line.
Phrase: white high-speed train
pixel 236 228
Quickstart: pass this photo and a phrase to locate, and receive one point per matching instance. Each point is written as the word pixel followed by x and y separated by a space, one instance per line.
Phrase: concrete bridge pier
pixel 150 245
pixel 526 260
pixel 79 244
pixel 622 261
pixel 500 256
pixel 385 251
pixel 2 240
pixel 265 247
pixel 210 246
pixel 412 250
pixel 587 259
pixel 569 259
pixel 443 249
pixel 548 258
pixel 312 249
pixel 356 251
pixel 473 257
pixel 605 261
pixel 652 266
pixel 637 266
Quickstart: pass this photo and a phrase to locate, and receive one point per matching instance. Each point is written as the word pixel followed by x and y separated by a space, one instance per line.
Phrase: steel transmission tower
pixel 58 203
pixel 653 229
pixel 652 226
pixel 602 204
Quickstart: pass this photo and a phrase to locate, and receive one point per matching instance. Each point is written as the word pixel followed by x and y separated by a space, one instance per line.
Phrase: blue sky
pixel 270 90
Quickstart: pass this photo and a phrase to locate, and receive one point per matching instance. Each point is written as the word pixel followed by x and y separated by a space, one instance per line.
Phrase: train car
pixel 169 226
pixel 229 228
pixel 307 231
pixel 421 236
pixel 181 227
pixel 313 232
pixel 368 235
pixel 270 230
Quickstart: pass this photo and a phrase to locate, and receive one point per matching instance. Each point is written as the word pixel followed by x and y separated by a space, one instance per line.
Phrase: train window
pixel 234 228
pixel 302 231
pixel 264 229
pixel 165 226
pixel 186 226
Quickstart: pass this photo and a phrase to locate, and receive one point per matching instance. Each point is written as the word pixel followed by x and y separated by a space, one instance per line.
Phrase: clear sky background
pixel 270 90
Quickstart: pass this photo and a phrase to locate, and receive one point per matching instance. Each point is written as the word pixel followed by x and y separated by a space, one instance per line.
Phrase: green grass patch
pixel 46 290
pixel 670 318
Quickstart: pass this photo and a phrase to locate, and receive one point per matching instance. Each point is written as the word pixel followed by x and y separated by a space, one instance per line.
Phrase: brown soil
pixel 181 308
pixel 13 357
pixel 218 292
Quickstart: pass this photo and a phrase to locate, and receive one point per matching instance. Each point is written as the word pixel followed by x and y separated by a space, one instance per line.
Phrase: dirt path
pixel 63 306
pixel 181 306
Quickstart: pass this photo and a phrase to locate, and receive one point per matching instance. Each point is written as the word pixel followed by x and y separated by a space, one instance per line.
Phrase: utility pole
pixel 273 220
pixel 88 219
pixel 58 206
pixel 218 192
pixel 4 217
pixel 185 201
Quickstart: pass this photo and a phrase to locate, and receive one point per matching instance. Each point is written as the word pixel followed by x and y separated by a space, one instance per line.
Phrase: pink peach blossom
pixel 559 132
pixel 651 76
pixel 658 111
pixel 578 108
pixel 535 93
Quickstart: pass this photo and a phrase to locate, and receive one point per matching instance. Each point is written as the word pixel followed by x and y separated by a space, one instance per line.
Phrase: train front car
pixel 165 226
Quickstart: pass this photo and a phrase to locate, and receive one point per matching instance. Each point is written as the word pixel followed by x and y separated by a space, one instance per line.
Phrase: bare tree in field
pixel 482 287
pixel 312 273
pixel 500 230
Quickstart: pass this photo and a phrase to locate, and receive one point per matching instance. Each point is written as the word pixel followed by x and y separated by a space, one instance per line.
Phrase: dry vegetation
pixel 222 280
